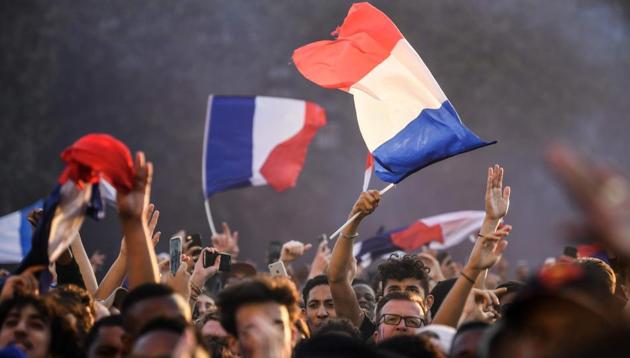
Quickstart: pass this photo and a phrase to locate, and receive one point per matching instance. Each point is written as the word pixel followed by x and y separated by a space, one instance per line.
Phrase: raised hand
pixel 601 194
pixel 291 250
pixel 24 283
pixel 497 196
pixel 488 249
pixel 321 260
pixel 132 205
pixel 227 241
pixel 201 274
pixel 366 203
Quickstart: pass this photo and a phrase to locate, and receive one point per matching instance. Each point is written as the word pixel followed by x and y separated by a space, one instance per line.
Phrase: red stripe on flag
pixel 417 235
pixel 285 162
pixel 365 39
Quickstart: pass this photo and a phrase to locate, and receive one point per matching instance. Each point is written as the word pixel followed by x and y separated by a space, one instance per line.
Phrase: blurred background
pixel 524 73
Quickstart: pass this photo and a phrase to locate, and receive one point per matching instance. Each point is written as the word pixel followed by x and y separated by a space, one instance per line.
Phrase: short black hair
pixel 400 268
pixel 312 283
pixel 334 346
pixel 109 321
pixel 143 292
pixel 176 326
pixel 340 326
pixel 402 296
pixel 416 346
pixel 257 290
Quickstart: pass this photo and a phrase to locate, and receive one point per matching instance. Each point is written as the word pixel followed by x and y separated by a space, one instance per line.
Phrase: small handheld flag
pixel 369 168
pixel 15 234
pixel 439 232
pixel 404 117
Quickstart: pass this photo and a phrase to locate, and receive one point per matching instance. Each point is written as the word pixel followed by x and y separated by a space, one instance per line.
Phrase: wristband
pixel 466 277
pixel 351 237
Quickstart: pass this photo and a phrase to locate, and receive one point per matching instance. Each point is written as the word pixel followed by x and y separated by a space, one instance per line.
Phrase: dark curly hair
pixel 400 268
pixel 257 290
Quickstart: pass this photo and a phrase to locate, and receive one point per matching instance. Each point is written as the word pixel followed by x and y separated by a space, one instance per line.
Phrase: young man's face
pixel 399 309
pixel 254 322
pixel 411 285
pixel 27 330
pixel 319 306
pixel 108 343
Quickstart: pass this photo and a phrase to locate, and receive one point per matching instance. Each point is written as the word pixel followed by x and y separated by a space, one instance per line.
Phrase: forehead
pixel 402 308
pixel 205 299
pixel 362 289
pixel 320 293
pixel 409 281
pixel 107 333
pixel 271 310
pixel 170 306
pixel 27 310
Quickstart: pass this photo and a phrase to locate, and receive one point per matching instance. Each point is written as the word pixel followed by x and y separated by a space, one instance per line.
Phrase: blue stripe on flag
pixel 229 144
pixel 26 233
pixel 436 134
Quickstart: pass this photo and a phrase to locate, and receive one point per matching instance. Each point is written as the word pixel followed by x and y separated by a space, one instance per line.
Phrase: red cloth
pixel 98 155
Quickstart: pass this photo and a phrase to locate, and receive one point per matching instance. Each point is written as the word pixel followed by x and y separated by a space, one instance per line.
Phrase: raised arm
pixel 486 252
pixel 116 274
pixel 343 262
pixel 84 265
pixel 132 208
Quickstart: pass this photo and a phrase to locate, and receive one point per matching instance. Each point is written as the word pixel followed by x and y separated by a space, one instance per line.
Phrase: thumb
pixel 307 247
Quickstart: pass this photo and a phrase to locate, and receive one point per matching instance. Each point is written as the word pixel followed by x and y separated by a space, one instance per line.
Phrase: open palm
pixel 133 203
pixel 497 197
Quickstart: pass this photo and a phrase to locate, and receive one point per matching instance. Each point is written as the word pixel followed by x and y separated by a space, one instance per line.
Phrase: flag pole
pixel 336 233
pixel 209 216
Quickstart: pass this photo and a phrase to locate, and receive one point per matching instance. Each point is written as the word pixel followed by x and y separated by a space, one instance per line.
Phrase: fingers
pixel 500 291
pixel 506 192
pixel 307 247
pixel 226 229
pixel 156 238
pixel 152 218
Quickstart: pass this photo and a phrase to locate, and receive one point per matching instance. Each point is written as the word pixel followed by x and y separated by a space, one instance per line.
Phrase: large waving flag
pixel 90 162
pixel 404 117
pixel 251 141
pixel 15 234
pixel 439 232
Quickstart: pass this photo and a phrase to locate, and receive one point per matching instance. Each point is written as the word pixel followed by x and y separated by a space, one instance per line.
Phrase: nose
pixel 401 326
pixel 20 327
pixel 322 312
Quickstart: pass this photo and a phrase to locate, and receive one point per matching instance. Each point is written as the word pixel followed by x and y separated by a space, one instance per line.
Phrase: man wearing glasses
pixel 399 313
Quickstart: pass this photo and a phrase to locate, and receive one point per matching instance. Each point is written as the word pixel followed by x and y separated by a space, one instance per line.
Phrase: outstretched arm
pixel 342 263
pixel 132 208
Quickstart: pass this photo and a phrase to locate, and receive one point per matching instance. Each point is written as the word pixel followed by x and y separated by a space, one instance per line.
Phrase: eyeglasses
pixel 394 319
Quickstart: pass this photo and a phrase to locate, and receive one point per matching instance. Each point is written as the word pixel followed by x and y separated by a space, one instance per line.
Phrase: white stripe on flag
pixel 68 218
pixel 10 247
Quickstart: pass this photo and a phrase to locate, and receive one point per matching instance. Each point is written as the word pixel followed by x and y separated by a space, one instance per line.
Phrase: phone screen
pixel 175 253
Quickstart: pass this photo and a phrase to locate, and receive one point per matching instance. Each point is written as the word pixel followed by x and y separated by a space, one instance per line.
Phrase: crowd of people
pixel 414 304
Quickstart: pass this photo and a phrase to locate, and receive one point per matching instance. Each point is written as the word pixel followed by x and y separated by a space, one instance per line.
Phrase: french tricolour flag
pixel 405 119
pixel 251 141
pixel 439 232
pixel 15 234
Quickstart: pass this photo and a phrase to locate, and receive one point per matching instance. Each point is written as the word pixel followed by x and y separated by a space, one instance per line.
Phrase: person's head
pixel 334 345
pixel 447 265
pixel 318 302
pixel 513 288
pixel 205 304
pixel 105 339
pixel 339 326
pixel 601 269
pixel 245 306
pixel 407 273
pixel 466 341
pixel 76 305
pixel 409 346
pixel 161 337
pixel 366 297
pixel 399 313
pixel 27 323
pixel 151 301
pixel 214 336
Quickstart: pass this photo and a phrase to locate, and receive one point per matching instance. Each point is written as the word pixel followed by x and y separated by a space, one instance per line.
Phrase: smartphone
pixel 194 240
pixel 225 263
pixel 175 250
pixel 277 269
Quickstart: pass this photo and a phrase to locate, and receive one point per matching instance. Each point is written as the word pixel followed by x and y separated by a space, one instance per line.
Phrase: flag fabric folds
pixel 90 162
pixel 251 141
pixel 439 232
pixel 405 118
pixel 15 234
